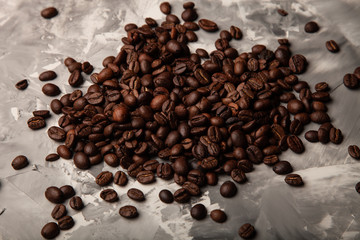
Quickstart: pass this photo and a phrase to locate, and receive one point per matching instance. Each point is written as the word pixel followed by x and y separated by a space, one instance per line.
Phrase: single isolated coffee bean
pixel 54 195
pixel 247 231
pixel 228 189
pixel 311 27
pixel 51 90
pixel 136 194
pixel 76 203
pixel 52 157
pixel 354 151
pixel 218 216
pixel 47 75
pixel 109 195
pixel 22 84
pixel 165 8
pixel 66 222
pixel 166 196
pixel 282 167
pixel 36 123
pixel 68 191
pixel 332 46
pixel 49 12
pixel 19 162
pixel 128 211
pixel 50 230
pixel 294 180
pixel 198 211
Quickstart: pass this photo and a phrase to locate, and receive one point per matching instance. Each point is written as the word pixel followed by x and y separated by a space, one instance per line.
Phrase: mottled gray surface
pixel 325 208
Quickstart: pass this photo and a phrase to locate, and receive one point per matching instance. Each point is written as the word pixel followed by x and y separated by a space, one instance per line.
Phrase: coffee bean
pixel 174 47
pixel 354 151
pixel 295 106
pixel 35 123
pixel 56 106
pixel 56 134
pixel 181 196
pixel 254 153
pixel 109 195
pixel 145 177
pixel 295 144
pixel 298 63
pixel 52 157
pixel 218 216
pixel 321 87
pixel 351 81
pixel 19 162
pixel 247 231
pixel 235 32
pixel 191 188
pixel 59 211
pixel 296 127
pixel 75 79
pixel 228 189
pixel 50 89
pixel 54 195
pixel 332 46
pixel 294 180
pixel 282 12
pixel 335 135
pixel 189 15
pixel 198 211
pixel 22 84
pixel 120 178
pixel 166 196
pixel 47 75
pixel 319 117
pixel 68 191
pixel 112 160
pixel 357 187
pixel 323 135
pixel 208 25
pixel 41 113
pixel 136 194
pixel 49 12
pixel 271 160
pixel 66 222
pixel 104 178
pixel 312 136
pixel 81 160
pixel 282 167
pixel 50 230
pixel 76 203
pixel 87 68
pixel 238 175
pixel 64 152
pixel 128 211
pixel 311 27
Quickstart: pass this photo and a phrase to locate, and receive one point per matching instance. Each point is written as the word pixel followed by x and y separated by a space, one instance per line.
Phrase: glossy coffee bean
pixel 166 196
pixel 49 12
pixel 68 191
pixel 294 180
pixel 104 178
pixel 354 152
pixel 218 216
pixel 136 194
pixel 246 231
pixel 128 211
pixel 59 211
pixel 109 195
pixel 311 27
pixel 66 222
pixel 50 89
pixel 54 195
pixel 50 230
pixel 228 189
pixel 22 84
pixel 19 162
pixel 198 211
pixel 76 203
pixel 282 167
pixel 332 46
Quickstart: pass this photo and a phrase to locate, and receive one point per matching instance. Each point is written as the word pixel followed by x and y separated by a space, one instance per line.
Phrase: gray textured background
pixel 327 207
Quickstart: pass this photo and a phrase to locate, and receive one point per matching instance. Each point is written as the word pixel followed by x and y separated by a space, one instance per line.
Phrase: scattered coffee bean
pixel 51 90
pixel 22 84
pixel 145 177
pixel 49 12
pixel 282 167
pixel 354 151
pixel 165 7
pixel 52 157
pixel 19 162
pixel 166 196
pixel 228 189
pixel 36 123
pixel 104 178
pixel 68 191
pixel 247 231
pixel 54 195
pixel 64 152
pixel 128 211
pixel 66 222
pixel 332 46
pixel 109 195
pixel 59 211
pixel 120 178
pixel 295 144
pixel 351 81
pixel 218 216
pixel 198 211
pixel 50 230
pixel 312 136
pixel 311 27
pixel 181 195
pixel 282 12
pixel 47 75
pixel 335 135
pixel 56 134
pixel 294 180
pixel 136 194
pixel 76 203
pixel 208 25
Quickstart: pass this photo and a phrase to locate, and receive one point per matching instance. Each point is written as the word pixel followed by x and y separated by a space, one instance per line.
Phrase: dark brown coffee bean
pixel 271 160
pixel 164 171
pixel 335 135
pixel 319 117
pixel 145 177
pixel 47 75
pixel 22 84
pixel 165 7
pixel 59 211
pixel 76 203
pixel 235 32
pixel 357 187
pixel 81 160
pixel 208 25
pixel 75 79
pixel 254 154
pixel 50 89
pixel 166 196
pixel 321 87
pixel 128 211
pixel 66 222
pixel 41 113
pixel 52 157
pixel 296 127
pixel 188 5
pixel 247 231
pixel 295 106
pixel 282 167
pixel 189 15
pixel 294 180
pixel 35 123
pixel 351 81
pixel 354 152
pixel 282 12
pixel 54 195
pixel 50 230
pixel 298 63
pixel 181 195
pixel 311 27
pixel 104 178
pixel 218 215
pixel 49 12
pixel 19 162
pixel 136 194
pixel 68 191
pixel 112 160
pixel 295 144
pixel 238 175
pixel 192 188
pixel 323 135
pixel 120 178
pixel 228 189
pixel 198 211
pixel 109 195
pixel 56 134
pixel 87 68
pixel 312 136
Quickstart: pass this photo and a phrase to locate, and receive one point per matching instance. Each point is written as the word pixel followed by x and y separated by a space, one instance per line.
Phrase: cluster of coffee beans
pixel 203 114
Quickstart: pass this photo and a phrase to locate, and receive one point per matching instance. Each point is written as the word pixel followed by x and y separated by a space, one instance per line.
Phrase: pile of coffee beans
pixel 202 114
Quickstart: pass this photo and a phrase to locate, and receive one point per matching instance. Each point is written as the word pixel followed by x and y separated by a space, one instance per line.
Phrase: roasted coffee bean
pixel 238 175
pixel 211 178
pixel 208 25
pixel 319 117
pixel 59 211
pixel 298 63
pixel 188 5
pixel 50 230
pixel 166 196
pixel 282 167
pixel 56 106
pixel 35 123
pixel 312 136
pixel 49 12
pixel 295 144
pixel 311 27
pixel 47 75
pixel 64 152
pixel 235 32
pixel 120 178
pixel 41 113
pixel 136 194
pixel 81 160
pixel 218 215
pixel 109 195
pixel 351 81
pixel 104 178
pixel 52 157
pixel 335 135
pixel 246 231
pixel 198 211
pixel 271 160
pixel 354 152
pixel 145 177
pixel 228 189
pixel 19 162
pixel 357 187
pixel 75 79
pixel 87 68
pixel 164 171
pixel 282 12
pixel 128 211
pixel 189 15
pixel 294 180
pixel 112 160
pixel 192 188
pixel 54 195
pixel 56 134
pixel 296 127
pixel 321 87
pixel 22 84
pixel 295 106
pixel 66 222
pixel 323 135
pixel 76 203
pixel 68 191
pixel 254 154
pixel 50 89
pixel 181 195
